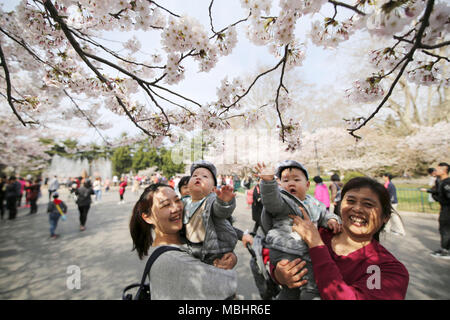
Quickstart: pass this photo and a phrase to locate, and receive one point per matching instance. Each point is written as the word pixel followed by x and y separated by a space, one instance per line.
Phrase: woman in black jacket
pixel 84 202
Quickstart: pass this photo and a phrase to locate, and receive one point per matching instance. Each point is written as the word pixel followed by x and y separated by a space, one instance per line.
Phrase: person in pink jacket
pixel 321 192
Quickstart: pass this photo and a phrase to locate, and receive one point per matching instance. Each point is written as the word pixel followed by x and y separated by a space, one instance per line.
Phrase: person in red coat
pixel 122 187
pixel 351 265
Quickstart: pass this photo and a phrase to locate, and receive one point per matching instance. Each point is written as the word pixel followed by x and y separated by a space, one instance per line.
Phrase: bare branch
pixel 161 7
pixel 286 50
pixel 227 108
pixel 210 16
pixel 345 5
pixel 436 56
pixel 87 118
pixel 8 86
pixel 435 46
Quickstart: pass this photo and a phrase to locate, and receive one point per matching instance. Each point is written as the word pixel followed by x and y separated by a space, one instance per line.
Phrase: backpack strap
pixel 158 251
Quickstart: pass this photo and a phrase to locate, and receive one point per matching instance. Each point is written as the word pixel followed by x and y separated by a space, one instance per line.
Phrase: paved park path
pixel 33 266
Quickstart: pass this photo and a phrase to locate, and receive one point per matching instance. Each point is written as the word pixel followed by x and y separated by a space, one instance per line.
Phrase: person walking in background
pixel 135 187
pixel 3 184
pixel 53 187
pixel 23 183
pixel 84 202
pixel 55 210
pixel 98 189
pixel 32 195
pixel 431 183
pixel 11 195
pixel 442 195
pixel 335 191
pixel 395 224
pixel 115 181
pixel 387 177
pixel 122 187
pixel 321 192
pixel 107 184
pixel 257 206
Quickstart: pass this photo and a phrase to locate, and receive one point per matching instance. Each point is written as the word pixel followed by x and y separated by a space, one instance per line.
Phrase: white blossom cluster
pixel 227 41
pixel 385 59
pixel 229 92
pixel 424 73
pixel 133 45
pixel 292 135
pixel 174 71
pixel 365 91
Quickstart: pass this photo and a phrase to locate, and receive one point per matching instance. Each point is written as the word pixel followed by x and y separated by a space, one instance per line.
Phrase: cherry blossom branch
pixel 407 59
pixel 54 14
pixel 345 5
pixel 161 7
pixel 176 94
pixel 439 58
pixel 8 86
pixel 87 118
pixel 210 16
pixel 435 46
pixel 24 45
pixel 114 54
pixel 170 101
pixel 227 108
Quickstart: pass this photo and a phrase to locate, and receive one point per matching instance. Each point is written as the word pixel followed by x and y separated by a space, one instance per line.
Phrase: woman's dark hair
pixel 390 176
pixel 376 187
pixel 140 230
pixel 431 170
pixel 317 179
pixel 183 182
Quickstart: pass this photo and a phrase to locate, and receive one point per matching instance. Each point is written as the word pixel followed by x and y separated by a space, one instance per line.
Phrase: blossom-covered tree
pixel 51 51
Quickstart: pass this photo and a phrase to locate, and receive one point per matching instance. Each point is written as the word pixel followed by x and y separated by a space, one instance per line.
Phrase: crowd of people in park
pixel 321 246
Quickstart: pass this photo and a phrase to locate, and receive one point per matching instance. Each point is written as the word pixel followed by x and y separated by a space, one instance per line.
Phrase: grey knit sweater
pixel 176 275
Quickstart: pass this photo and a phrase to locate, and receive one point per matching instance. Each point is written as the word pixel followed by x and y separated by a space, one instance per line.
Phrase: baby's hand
pixel 334 226
pixel 225 193
pixel 264 172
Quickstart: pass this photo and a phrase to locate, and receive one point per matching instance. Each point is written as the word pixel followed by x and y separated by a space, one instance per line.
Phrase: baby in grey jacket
pixel 278 205
pixel 207 214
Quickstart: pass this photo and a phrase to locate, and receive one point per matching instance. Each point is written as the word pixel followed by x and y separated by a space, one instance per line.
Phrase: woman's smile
pixel 358 220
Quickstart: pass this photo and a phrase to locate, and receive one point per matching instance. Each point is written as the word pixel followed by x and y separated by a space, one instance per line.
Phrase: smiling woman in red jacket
pixel 352 265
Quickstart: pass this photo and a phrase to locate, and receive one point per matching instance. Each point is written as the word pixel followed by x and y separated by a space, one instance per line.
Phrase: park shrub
pixel 352 174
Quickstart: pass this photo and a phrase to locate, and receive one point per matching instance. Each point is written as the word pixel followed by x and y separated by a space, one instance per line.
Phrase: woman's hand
pixel 225 193
pixel 247 239
pixel 307 230
pixel 291 273
pixel 227 262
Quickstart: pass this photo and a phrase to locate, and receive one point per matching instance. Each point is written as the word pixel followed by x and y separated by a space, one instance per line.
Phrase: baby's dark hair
pixel 140 230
